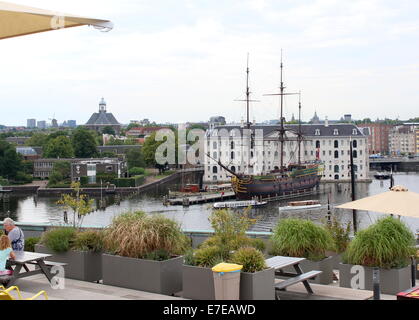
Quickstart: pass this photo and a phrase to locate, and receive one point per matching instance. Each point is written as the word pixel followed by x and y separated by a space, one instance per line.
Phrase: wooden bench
pixel 300 278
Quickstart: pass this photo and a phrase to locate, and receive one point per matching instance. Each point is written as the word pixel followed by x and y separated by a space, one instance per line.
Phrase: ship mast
pixel 282 129
pixel 299 128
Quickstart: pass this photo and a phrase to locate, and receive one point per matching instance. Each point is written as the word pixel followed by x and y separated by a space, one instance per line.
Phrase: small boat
pixel 298 205
pixel 382 176
pixel 239 204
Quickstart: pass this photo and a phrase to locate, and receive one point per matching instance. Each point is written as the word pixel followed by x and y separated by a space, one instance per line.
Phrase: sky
pixel 185 60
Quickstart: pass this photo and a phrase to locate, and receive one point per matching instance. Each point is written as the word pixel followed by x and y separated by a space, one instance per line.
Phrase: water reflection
pixel 37 209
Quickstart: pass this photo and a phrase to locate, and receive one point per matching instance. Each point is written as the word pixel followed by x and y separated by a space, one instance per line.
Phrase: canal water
pixel 33 209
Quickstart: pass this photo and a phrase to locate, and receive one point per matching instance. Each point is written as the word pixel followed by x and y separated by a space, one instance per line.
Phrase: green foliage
pixel 78 203
pixel 59 147
pixel 59 239
pixel 386 244
pixel 22 177
pixel 61 171
pixel 89 240
pixel 3 182
pixel 135 158
pixel 108 130
pixel 84 181
pixel 136 235
pixel 30 243
pixel 10 161
pixel 135 171
pixel 300 238
pixel 129 182
pixel 189 258
pixel 158 255
pixel 250 258
pixel 105 177
pixel 209 256
pixel 84 143
pixel 229 227
pixel 37 140
pixel 339 233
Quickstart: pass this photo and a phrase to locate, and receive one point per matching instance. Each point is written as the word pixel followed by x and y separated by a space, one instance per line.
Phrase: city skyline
pixel 185 61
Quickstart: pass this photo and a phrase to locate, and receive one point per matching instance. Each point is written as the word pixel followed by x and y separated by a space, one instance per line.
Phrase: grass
pixel 300 238
pixel 138 235
pixel 388 243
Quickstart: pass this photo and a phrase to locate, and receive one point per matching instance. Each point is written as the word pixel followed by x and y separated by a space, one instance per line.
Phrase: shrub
pixel 59 239
pixel 250 258
pixel 339 233
pixel 30 243
pixel 208 257
pixel 386 244
pixel 300 238
pixel 189 258
pixel 89 240
pixel 136 171
pixel 136 235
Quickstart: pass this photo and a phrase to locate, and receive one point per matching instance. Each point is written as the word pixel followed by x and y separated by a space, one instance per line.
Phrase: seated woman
pixel 5 252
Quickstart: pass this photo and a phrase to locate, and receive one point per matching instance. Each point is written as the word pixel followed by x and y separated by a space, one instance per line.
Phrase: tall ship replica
pixel 298 177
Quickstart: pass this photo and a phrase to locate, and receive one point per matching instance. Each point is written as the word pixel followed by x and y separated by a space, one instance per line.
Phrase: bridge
pixel 395 163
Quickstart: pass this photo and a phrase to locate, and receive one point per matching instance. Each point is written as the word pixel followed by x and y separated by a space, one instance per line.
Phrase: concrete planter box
pixel 392 281
pixel 164 277
pixel 198 283
pixel 81 265
pixel 336 257
pixel 325 265
pixel 258 285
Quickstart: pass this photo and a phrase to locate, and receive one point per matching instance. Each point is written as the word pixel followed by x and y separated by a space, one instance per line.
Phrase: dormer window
pixel 335 132
pixel 317 132
pixel 354 132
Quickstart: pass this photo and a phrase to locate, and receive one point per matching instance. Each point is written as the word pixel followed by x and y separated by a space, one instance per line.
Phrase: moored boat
pixel 299 205
pixel 239 204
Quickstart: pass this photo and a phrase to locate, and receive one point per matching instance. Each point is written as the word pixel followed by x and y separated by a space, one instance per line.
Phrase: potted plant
pixel 144 253
pixel 229 235
pixel 81 250
pixel 256 279
pixel 303 238
pixel 388 245
pixel 340 234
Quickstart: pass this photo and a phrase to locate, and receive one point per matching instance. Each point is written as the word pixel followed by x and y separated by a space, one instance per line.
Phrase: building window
pixel 354 154
pixel 354 132
pixel 233 168
pixel 335 132
pixel 336 144
pixel 232 155
pixel 336 154
pixel 354 143
pixel 232 145
pixel 214 155
pixel 214 145
pixel 317 132
pixel 317 144
pixel 214 169
pixel 336 169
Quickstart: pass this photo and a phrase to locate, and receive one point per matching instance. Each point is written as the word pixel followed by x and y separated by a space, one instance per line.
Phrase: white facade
pixel 332 142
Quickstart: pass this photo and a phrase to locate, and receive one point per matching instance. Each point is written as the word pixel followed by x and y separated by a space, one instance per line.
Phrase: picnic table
pixel 279 263
pixel 25 258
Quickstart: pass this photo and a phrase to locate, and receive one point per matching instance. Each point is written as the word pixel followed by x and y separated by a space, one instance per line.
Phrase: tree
pixel 108 130
pixel 84 143
pixel 78 203
pixel 10 161
pixel 135 158
pixel 37 140
pixel 59 147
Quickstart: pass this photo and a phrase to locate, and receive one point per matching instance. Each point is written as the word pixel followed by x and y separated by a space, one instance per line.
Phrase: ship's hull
pixel 248 188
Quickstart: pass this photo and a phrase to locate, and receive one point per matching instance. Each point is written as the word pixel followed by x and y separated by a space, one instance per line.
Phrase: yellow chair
pixel 5 294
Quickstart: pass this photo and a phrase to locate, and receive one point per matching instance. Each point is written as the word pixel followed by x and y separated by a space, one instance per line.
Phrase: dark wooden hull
pixel 251 188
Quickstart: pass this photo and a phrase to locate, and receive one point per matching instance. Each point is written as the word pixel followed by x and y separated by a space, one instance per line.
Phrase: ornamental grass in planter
pixel 144 253
pixel 228 241
pixel 303 238
pixel 81 250
pixel 388 244
pixel 256 279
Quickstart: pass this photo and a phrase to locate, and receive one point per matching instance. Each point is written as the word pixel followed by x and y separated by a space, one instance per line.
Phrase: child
pixel 5 253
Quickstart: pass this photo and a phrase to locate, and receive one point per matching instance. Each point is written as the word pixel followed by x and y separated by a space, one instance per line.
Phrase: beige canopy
pixel 398 201
pixel 17 20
